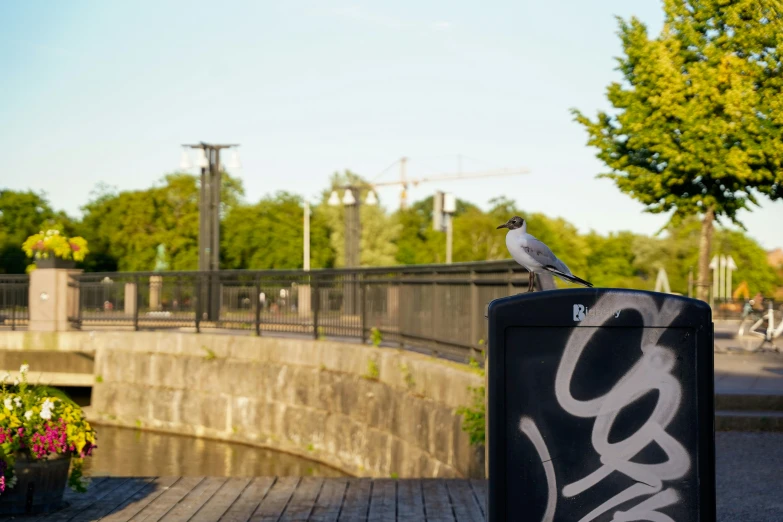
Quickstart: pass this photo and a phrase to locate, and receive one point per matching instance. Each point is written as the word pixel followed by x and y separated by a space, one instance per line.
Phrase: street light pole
pixel 306 260
pixel 209 218
pixel 350 201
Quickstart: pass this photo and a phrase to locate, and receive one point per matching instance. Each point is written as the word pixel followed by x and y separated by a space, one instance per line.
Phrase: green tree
pixel 378 230
pixel 697 126
pixel 417 242
pixel 127 227
pixel 21 215
pixel 611 261
pixel 269 235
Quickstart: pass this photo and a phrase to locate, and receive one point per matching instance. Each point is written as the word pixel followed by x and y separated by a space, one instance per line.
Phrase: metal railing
pixel 438 307
pixel 14 292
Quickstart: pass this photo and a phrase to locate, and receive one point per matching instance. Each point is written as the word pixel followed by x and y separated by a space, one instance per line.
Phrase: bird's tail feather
pixel 568 277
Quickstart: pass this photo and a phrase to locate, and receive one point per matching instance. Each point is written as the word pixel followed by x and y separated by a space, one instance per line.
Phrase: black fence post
pixel 257 300
pixel 137 304
pixel 197 303
pixel 13 307
pixel 363 304
pixel 79 301
pixel 315 303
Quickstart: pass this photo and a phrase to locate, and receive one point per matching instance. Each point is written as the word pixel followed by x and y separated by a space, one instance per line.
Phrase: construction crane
pixel 406 183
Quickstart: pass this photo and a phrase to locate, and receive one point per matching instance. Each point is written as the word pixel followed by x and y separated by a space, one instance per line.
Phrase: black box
pixel 600 395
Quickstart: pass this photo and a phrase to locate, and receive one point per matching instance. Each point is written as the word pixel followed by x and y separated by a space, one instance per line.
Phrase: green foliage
pixel 22 214
pixel 407 376
pixel 373 372
pixel 394 475
pixel 210 354
pixel 321 333
pixel 99 378
pixel 268 235
pixel 378 230
pixel 76 480
pixel 417 243
pixel 698 121
pixel 474 416
pixel 127 227
pixel 376 337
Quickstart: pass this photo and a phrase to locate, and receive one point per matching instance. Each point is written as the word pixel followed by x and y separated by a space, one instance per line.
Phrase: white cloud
pixel 442 26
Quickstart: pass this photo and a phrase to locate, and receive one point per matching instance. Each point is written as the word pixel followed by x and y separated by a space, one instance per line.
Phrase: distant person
pixel 262 300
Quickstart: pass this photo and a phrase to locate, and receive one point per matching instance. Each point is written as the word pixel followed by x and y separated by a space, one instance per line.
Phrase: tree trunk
pixel 705 243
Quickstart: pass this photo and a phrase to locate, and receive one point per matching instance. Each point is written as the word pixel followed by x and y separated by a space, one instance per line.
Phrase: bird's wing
pixel 542 254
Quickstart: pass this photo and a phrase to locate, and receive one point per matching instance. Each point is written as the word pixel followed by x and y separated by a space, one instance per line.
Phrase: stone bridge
pixel 377 412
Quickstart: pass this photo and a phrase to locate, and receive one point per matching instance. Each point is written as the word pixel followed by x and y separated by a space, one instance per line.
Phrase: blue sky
pixel 107 91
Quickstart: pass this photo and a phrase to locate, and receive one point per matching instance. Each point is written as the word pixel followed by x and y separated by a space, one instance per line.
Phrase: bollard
pixel 600 407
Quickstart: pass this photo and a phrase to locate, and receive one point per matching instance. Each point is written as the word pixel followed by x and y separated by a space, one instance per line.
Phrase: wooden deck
pixel 273 499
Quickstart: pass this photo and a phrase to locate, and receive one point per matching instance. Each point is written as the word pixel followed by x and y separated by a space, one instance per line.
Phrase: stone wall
pixel 367 411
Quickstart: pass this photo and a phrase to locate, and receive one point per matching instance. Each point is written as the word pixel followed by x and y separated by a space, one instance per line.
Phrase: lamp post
pixel 208 160
pixel 353 228
pixel 444 206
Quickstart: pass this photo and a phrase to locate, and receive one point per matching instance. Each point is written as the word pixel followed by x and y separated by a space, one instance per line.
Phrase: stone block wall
pixel 394 416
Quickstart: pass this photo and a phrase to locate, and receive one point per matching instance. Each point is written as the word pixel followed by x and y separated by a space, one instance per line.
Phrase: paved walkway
pixel 748 484
pixel 737 370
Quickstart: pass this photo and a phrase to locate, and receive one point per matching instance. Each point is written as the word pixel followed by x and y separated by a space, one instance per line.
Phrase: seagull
pixel 535 255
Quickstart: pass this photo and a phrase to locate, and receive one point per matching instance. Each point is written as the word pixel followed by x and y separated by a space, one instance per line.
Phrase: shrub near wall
pixel 365 410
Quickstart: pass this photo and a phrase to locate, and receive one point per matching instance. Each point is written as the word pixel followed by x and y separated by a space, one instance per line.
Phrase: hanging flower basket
pixel 54 262
pixel 43 435
pixel 52 249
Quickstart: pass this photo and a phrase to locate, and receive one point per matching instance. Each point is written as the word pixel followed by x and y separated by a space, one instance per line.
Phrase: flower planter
pixel 54 262
pixel 40 485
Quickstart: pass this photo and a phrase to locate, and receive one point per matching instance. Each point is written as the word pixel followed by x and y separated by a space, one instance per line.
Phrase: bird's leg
pixel 531 281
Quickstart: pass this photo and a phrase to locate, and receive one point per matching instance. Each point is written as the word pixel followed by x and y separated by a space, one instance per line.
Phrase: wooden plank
pixel 105 505
pixel 156 509
pixel 480 491
pixel 357 500
pixel 188 506
pixel 247 502
pixel 79 502
pixel 276 500
pixel 383 501
pixel 463 501
pixel 437 506
pixel 303 500
pixel 221 501
pixel 328 504
pixel 128 509
pixel 410 505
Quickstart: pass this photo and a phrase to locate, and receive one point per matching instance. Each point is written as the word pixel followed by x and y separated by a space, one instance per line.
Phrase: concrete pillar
pixel 51 300
pixel 303 303
pixel 130 299
pixel 392 303
pixel 156 285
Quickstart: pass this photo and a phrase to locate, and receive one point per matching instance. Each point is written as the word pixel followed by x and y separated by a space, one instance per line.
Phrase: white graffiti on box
pixel 651 372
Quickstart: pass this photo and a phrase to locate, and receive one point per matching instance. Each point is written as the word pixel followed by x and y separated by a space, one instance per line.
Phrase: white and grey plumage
pixel 535 255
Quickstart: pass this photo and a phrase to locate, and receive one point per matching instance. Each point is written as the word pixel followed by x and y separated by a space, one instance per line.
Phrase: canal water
pixel 126 452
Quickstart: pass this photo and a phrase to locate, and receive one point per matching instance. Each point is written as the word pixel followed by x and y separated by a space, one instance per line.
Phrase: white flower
pixel 18 402
pixel 16 381
pixel 24 368
pixel 46 414
pixel 8 403
pixel 6 375
pixel 28 414
pixel 11 482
